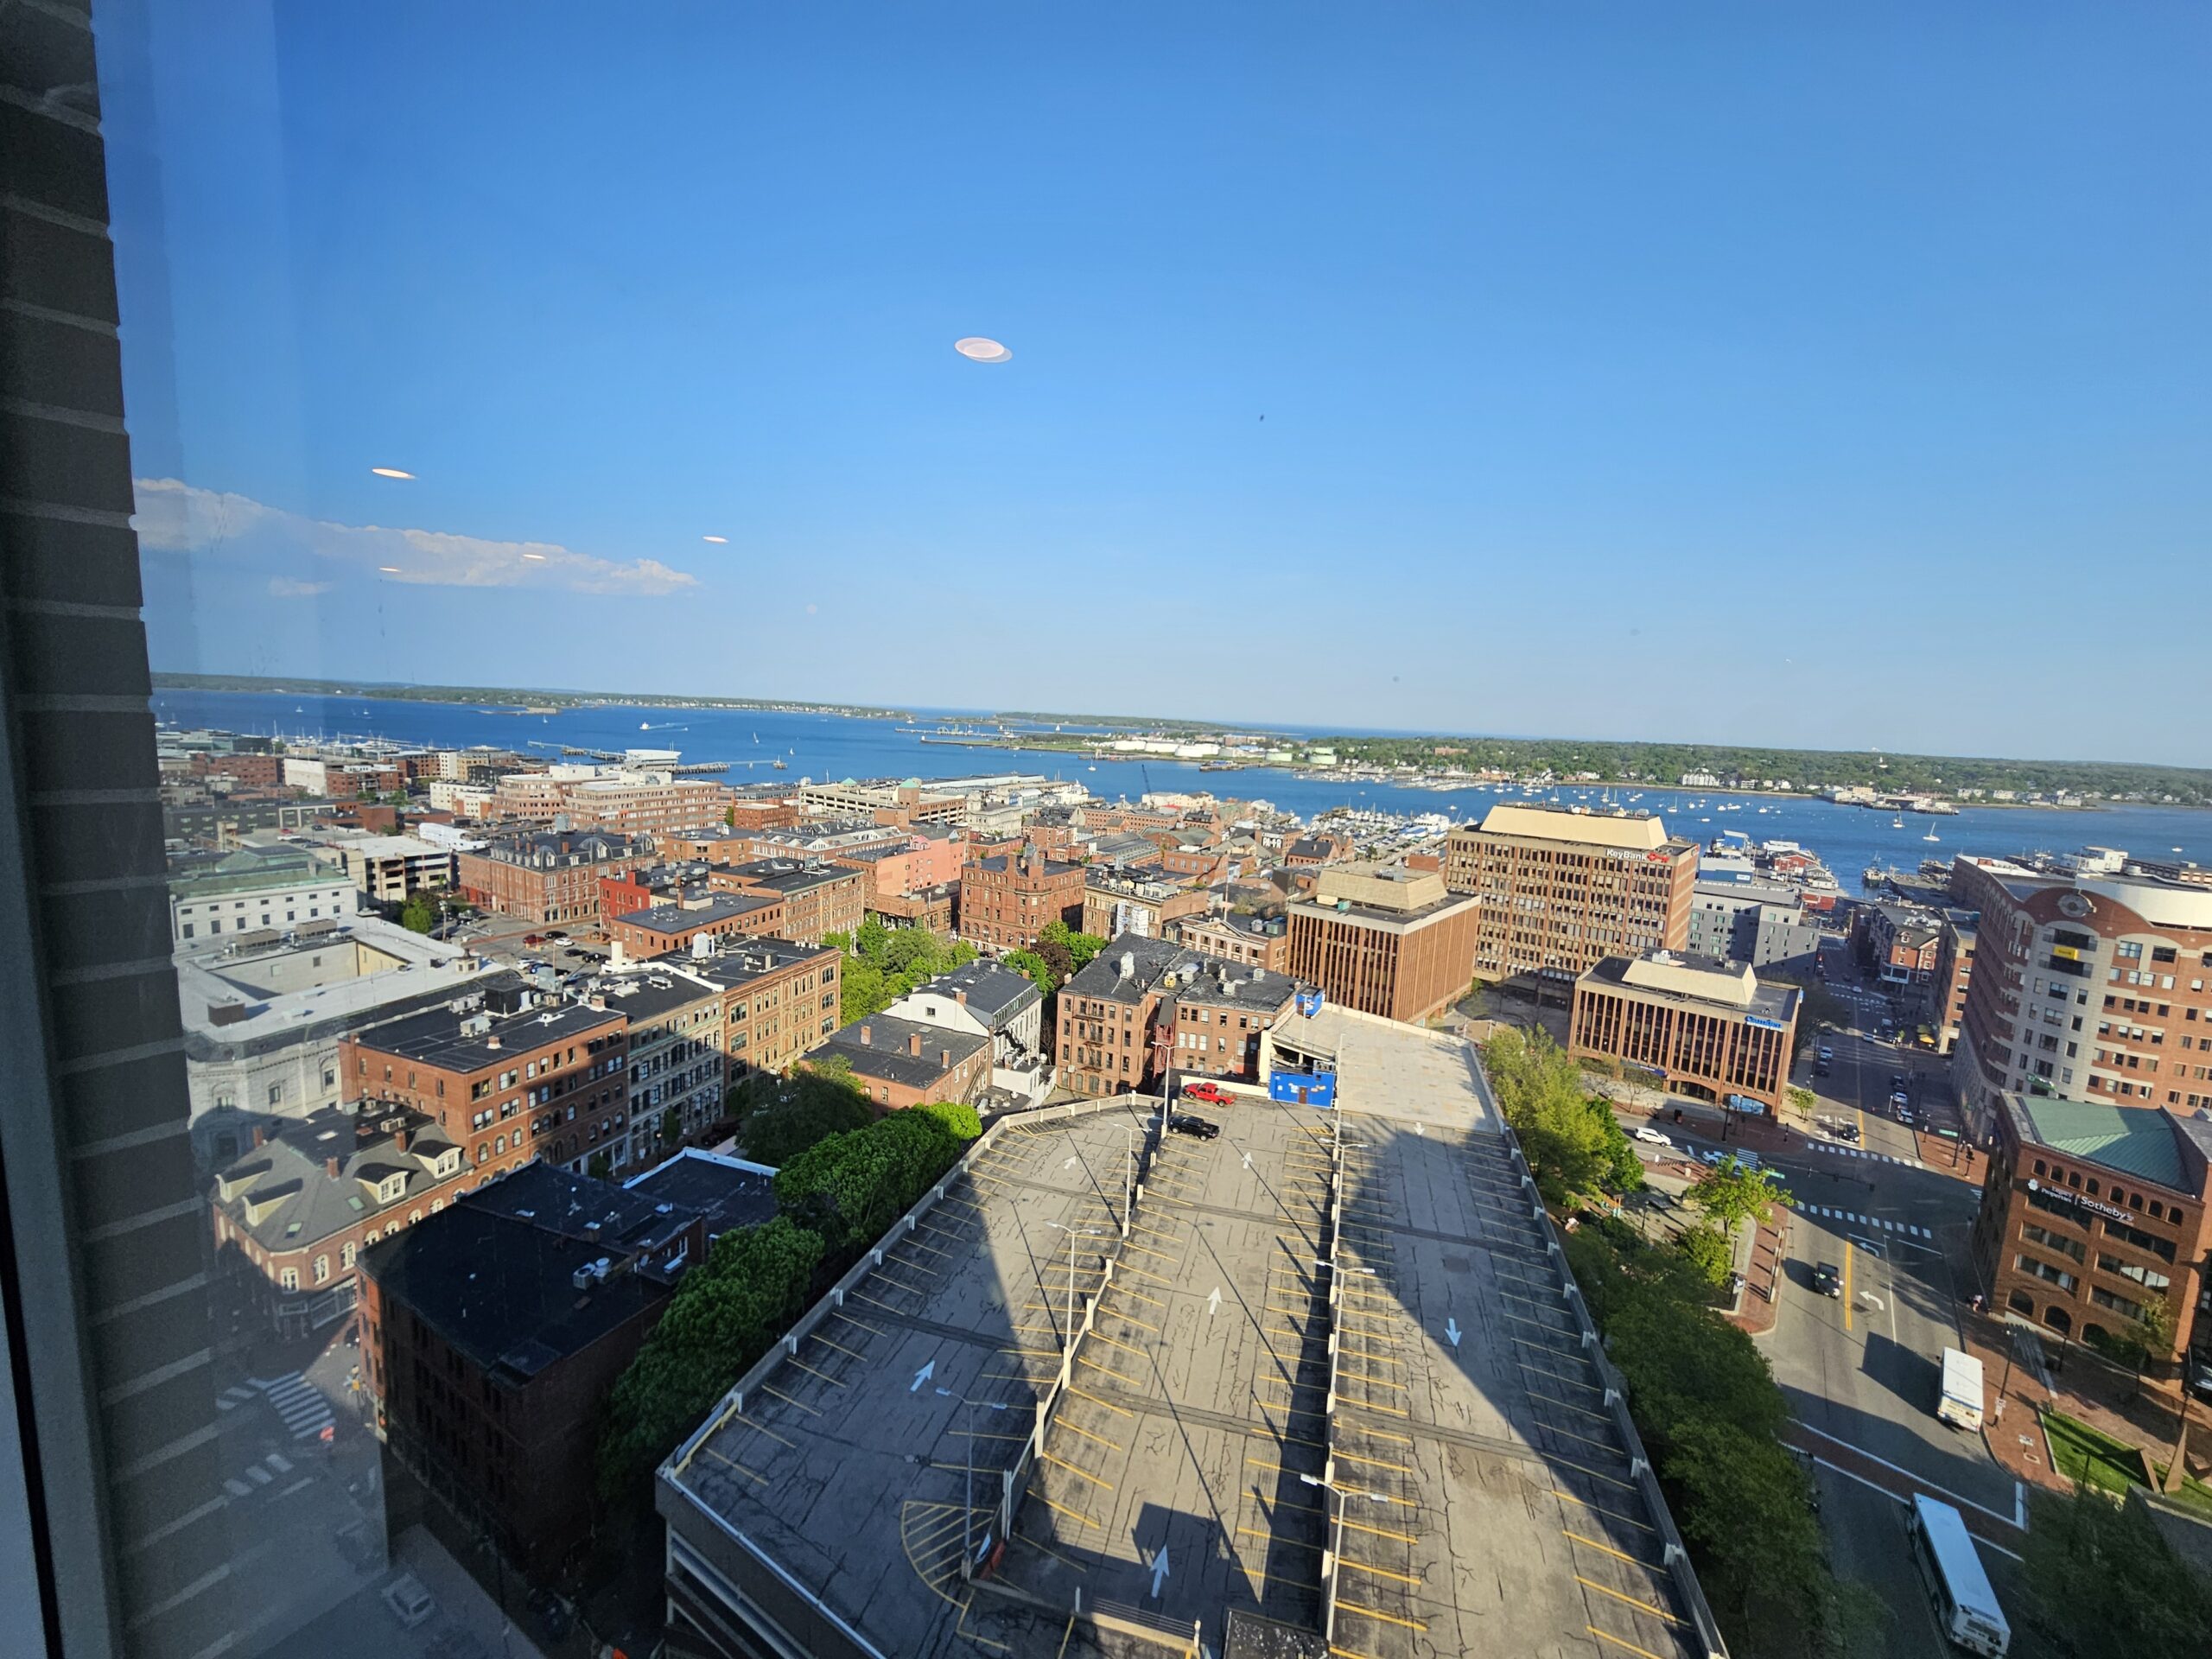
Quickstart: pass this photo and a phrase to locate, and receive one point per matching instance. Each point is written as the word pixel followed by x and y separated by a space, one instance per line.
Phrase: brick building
pixel 1954 975
pixel 1385 940
pixel 903 1063
pixel 1117 902
pixel 1255 941
pixel 505 1072
pixel 899 870
pixel 1706 1029
pixel 1899 942
pixel 292 1214
pixel 1144 1008
pixel 550 878
pixel 679 1071
pixel 659 929
pixel 491 1334
pixel 2088 984
pixel 2090 1212
pixel 937 909
pixel 647 802
pixel 1562 890
pixel 1006 901
pixel 817 898
pixel 779 1000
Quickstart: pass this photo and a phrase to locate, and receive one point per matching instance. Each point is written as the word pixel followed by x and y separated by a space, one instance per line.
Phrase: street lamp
pixel 1067 1336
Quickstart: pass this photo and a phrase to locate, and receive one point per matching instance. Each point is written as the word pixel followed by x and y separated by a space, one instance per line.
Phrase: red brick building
pixel 2092 1212
pixel 1704 1029
pixel 1255 941
pixel 491 1335
pixel 779 1001
pixel 550 878
pixel 817 898
pixel 1006 901
pixel 903 1063
pixel 659 929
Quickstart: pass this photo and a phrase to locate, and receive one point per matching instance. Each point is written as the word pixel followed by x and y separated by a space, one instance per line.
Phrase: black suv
pixel 1185 1124
pixel 1827 1280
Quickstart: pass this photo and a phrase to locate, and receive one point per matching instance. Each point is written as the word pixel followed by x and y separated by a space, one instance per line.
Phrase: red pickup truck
pixel 1212 1093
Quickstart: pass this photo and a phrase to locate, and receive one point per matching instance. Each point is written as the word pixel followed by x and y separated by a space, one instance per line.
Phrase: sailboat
pixel 1897 823
pixel 1931 835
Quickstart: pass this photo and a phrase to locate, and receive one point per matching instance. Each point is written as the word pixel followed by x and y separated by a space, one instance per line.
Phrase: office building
pixel 1561 890
pixel 2090 1213
pixel 1759 924
pixel 1384 939
pixel 388 868
pixel 1700 1028
pixel 2088 983
pixel 254 890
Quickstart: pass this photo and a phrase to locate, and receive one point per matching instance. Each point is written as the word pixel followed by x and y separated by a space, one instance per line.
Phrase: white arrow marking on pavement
pixel 1213 1302
pixel 922 1377
pixel 1452 1332
pixel 1159 1570
pixel 1871 1299
pixel 1071 1163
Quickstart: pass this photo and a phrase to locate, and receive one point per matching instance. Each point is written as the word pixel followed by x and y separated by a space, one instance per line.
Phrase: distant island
pixel 1444 755
pixel 531 699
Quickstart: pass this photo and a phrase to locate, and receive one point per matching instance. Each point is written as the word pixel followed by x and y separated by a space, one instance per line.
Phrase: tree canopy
pixel 850 1187
pixel 420 914
pixel 1573 1146
pixel 785 1115
pixel 2102 1579
pixel 1732 1193
pixel 883 964
pixel 724 1314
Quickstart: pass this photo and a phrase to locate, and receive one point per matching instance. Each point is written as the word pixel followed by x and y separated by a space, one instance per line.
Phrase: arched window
pixel 2058 1319
pixel 2020 1302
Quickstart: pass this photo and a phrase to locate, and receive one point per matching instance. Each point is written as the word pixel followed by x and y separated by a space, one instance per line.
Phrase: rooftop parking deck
pixel 1381 1420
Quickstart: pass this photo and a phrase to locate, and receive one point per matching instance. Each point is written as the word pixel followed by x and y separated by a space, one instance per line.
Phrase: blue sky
pixel 1724 372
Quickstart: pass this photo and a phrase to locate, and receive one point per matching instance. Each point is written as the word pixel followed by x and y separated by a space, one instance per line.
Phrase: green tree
pixel 959 1119
pixel 1034 967
pixel 1746 1508
pixel 1080 948
pixel 724 1315
pixel 599 1167
pixel 420 914
pixel 1732 1193
pixel 729 817
pixel 821 1099
pixel 1573 1146
pixel 1707 1248
pixel 2101 1580
pixel 851 1187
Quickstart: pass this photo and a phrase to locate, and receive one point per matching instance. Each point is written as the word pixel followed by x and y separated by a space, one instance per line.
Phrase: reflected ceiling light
pixel 389 569
pixel 540 557
pixel 718 541
pixel 389 472
pixel 978 349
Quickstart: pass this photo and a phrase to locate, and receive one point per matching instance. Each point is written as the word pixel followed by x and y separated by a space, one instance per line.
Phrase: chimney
pixel 330 1163
pixel 868 1037
pixel 260 1135
pixel 400 1138
pixel 914 1043
pixel 492 1041
pixel 944 1058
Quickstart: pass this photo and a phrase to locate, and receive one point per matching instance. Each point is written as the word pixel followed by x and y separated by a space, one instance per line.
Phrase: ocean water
pixel 837 746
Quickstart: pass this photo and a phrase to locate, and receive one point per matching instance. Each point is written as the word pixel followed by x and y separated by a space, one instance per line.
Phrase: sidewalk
pixel 1759 1260
pixel 2082 1385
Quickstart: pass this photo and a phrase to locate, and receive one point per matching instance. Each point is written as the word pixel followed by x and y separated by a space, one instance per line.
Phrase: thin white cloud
pixel 175 516
pixel 286 587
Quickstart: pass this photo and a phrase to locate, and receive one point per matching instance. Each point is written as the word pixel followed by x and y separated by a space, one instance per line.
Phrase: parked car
pixel 1828 1280
pixel 1645 1132
pixel 1715 1158
pixel 1212 1093
pixel 1827 1053
pixel 1185 1123
pixel 1847 1132
pixel 410 1602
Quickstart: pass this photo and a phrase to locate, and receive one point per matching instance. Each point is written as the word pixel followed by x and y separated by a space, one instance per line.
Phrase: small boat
pixel 1931 835
pixel 1897 823
pixel 778 765
pixel 644 725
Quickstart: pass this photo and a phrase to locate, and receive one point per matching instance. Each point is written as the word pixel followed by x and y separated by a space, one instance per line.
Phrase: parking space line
pixel 1375 1463
pixel 1642 1606
pixel 1125 1271
pixel 1378 1571
pixel 1119 1377
pixel 1379 1532
pixel 1073 1429
pixel 1610 1480
pixel 1618 1555
pixel 1273 1538
pixel 1062 1509
pixel 1373 1613
pixel 801 1364
pixel 769 1388
pixel 1130 1318
pixel 1095 1400
pixel 1621 1642
pixel 1139 1296
pixel 1382 1433
pixel 1079 1472
pixel 765 1429
pixel 1038 1543
pixel 750 1474
pixel 1599 1509
pixel 839 1347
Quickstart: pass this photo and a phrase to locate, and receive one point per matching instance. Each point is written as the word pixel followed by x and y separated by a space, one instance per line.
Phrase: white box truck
pixel 1960 1404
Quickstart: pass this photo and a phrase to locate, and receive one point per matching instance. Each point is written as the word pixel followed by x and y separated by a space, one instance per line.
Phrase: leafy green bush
pixel 2102 1579
pixel 723 1316
pixel 1707 1248
pixel 851 1187
pixel 789 1114
pixel 1573 1146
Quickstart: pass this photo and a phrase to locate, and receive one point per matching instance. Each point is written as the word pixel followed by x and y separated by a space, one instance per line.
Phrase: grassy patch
pixel 2091 1456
